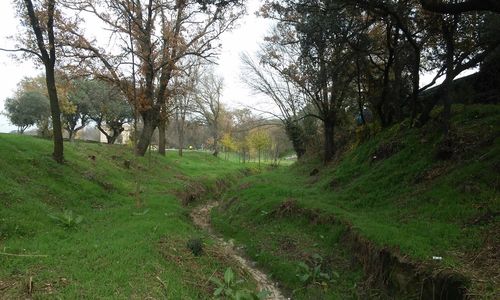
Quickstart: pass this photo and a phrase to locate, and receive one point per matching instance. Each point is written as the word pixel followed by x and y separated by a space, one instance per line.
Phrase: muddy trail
pixel 201 218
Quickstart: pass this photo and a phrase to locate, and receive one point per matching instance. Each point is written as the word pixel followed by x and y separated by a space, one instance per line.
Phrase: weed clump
pixel 196 246
pixel 67 219
pixel 230 289
pixel 314 274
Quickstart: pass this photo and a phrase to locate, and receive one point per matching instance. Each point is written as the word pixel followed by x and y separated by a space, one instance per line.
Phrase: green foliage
pixel 67 218
pixel 27 109
pixel 107 103
pixel 228 142
pixel 229 288
pixel 259 139
pixel 295 133
pixel 75 106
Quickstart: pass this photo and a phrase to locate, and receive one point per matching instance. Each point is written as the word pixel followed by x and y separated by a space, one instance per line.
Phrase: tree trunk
pixel 71 135
pixel 446 86
pixel 150 120
pixel 216 145
pixel 116 133
pixel 111 139
pixel 446 106
pixel 259 158
pixel 415 84
pixel 181 140
pixel 360 93
pixel 55 112
pixel 382 106
pixel 180 118
pixel 395 93
pixel 448 36
pixel 161 137
pixel 329 127
pixel 49 59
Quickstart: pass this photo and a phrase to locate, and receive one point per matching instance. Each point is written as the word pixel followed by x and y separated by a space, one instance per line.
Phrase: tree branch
pixel 23 50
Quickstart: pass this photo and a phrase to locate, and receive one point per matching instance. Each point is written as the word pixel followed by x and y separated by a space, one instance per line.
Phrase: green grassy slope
pixel 118 251
pixel 393 189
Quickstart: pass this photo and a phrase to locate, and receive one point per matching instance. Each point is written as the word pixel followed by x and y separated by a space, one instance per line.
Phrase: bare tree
pixel 184 101
pixel 208 104
pixel 288 98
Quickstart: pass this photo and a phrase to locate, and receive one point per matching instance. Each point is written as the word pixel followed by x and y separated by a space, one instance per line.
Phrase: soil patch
pixel 290 207
pixel 461 145
pixel 191 192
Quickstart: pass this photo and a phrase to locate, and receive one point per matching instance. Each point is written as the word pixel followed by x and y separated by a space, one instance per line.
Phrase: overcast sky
pixel 11 71
pixel 245 38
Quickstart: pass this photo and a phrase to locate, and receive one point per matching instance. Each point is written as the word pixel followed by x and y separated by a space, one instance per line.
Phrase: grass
pixel 119 250
pixel 265 160
pixel 393 190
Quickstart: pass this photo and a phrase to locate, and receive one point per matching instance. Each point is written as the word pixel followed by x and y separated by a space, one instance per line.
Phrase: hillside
pixel 119 250
pixel 404 214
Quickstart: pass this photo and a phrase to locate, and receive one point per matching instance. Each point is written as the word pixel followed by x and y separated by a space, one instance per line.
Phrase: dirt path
pixel 201 218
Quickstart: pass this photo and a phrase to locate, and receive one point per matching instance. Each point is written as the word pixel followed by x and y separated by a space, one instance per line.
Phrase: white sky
pixel 245 38
pixel 11 71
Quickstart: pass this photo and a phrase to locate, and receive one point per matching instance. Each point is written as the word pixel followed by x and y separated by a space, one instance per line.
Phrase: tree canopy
pixel 27 109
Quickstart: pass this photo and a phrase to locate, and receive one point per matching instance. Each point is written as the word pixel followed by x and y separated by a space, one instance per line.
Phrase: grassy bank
pixel 405 188
pixel 119 250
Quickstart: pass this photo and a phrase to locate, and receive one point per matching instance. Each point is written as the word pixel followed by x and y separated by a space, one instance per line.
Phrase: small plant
pixel 314 274
pixel 196 246
pixel 67 219
pixel 229 288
